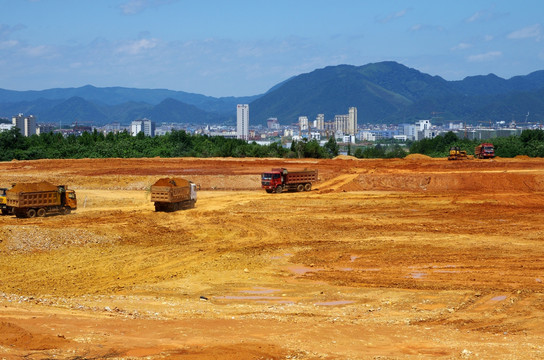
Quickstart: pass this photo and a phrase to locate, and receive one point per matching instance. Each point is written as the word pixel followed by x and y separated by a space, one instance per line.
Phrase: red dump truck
pixel 281 179
pixel 39 199
pixel 484 151
pixel 171 194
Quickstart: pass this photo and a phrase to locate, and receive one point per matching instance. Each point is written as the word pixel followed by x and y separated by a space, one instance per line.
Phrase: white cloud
pixel 132 7
pixel 138 46
pixel 461 46
pixel 488 56
pixel 393 16
pixel 533 31
pixel 8 44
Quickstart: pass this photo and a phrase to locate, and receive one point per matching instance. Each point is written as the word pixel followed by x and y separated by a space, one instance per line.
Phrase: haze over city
pixel 239 48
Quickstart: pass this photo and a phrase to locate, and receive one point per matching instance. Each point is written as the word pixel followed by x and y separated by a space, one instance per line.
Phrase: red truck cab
pixel 272 180
pixel 484 151
pixel 281 179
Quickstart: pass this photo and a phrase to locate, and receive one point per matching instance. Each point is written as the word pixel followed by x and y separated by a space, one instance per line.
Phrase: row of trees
pixel 174 144
pixel 180 144
pixel 529 142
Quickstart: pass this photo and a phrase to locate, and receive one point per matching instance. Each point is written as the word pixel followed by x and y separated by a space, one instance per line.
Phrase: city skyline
pixel 205 47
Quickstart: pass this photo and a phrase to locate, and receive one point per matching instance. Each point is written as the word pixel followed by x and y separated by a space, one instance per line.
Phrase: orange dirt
pixel 384 259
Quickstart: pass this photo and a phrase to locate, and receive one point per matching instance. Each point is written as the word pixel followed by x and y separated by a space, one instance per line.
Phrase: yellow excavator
pixel 457 154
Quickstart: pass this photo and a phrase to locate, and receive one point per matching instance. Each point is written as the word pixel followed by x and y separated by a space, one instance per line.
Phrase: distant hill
pixel 388 92
pixel 384 92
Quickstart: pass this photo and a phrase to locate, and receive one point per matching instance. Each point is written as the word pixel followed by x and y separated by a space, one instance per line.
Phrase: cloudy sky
pixel 244 47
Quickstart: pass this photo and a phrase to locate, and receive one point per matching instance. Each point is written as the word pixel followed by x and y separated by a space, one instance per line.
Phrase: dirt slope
pixel 415 258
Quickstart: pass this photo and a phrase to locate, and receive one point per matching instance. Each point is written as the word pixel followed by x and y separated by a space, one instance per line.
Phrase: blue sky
pixel 244 47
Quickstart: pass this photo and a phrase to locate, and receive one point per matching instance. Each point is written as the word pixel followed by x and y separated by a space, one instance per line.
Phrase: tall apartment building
pixel 143 125
pixel 303 123
pixel 352 121
pixel 25 124
pixel 341 123
pixel 319 122
pixel 242 121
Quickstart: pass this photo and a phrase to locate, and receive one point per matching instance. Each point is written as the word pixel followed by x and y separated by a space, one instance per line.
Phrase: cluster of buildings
pixel 344 128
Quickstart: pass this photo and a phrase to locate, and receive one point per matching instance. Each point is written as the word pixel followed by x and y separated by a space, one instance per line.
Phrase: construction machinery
pixel 457 154
pixel 484 151
pixel 6 210
pixel 171 194
pixel 40 199
pixel 281 179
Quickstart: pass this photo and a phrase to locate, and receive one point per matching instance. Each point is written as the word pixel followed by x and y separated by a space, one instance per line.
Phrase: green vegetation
pixel 180 144
pixel 122 145
pixel 530 143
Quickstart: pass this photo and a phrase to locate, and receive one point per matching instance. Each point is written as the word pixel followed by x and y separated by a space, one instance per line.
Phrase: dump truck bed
pixel 41 194
pixel 169 190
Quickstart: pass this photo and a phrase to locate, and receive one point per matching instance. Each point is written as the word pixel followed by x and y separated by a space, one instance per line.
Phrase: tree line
pixel 95 144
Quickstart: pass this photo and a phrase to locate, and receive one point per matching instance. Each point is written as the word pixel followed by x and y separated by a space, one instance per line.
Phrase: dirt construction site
pixel 410 258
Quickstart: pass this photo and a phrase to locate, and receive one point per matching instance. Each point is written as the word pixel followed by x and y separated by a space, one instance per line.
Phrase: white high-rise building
pixel 352 121
pixel 319 122
pixel 143 125
pixel 242 121
pixel 26 124
pixel 303 123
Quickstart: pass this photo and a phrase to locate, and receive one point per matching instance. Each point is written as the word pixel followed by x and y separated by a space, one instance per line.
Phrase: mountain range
pixel 384 92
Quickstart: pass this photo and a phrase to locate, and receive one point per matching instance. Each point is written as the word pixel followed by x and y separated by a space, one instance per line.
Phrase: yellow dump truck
pixel 40 198
pixel 171 194
pixel 6 210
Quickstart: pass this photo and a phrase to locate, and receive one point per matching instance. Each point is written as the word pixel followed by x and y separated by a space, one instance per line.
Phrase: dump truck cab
pixel 70 199
pixel 3 202
pixel 271 180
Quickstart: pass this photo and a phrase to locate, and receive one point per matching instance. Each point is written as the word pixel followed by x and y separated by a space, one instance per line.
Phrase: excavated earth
pixel 384 259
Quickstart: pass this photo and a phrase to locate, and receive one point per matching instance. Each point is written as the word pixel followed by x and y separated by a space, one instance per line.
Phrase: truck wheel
pixel 40 212
pixel 300 187
pixel 279 190
pixel 269 191
pixel 308 187
pixel 31 213
pixel 67 210
pixel 5 212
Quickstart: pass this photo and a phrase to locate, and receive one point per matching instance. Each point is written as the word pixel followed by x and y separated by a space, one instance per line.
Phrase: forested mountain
pixel 384 92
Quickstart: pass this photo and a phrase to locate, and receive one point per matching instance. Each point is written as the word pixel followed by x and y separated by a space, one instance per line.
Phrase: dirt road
pixel 384 259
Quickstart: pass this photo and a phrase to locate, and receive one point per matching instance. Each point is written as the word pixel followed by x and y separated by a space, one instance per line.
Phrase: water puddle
pixel 334 303
pixel 418 275
pixel 302 270
pixel 260 290
pixel 499 298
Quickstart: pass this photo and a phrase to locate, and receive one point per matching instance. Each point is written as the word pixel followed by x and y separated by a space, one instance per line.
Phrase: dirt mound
pixel 522 157
pixel 417 157
pixel 17 337
pixel 345 157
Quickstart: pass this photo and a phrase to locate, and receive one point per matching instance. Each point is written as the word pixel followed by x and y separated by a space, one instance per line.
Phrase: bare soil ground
pixel 383 259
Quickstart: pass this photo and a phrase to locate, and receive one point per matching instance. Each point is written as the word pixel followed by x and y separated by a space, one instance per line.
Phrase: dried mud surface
pixel 383 259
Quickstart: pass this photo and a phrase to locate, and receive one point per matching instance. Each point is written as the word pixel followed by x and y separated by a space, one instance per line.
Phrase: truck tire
pixel 279 190
pixel 269 191
pixel 308 187
pixel 30 213
pixel 41 212
pixel 300 187
pixel 67 210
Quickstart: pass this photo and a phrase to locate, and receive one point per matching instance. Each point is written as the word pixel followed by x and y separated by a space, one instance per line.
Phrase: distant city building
pixel 272 123
pixel 352 121
pixel 303 123
pixel 242 121
pixel 25 124
pixel 45 128
pixel 319 122
pixel 4 127
pixel 346 124
pixel 341 123
pixel 143 125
